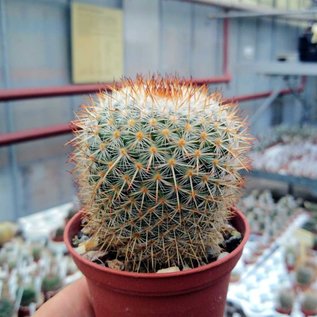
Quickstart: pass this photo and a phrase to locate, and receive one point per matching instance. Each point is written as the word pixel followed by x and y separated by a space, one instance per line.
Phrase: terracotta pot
pixel 283 311
pixel 198 292
pixel 24 312
pixel 57 246
pixel 301 287
pixel 309 312
pixel 57 239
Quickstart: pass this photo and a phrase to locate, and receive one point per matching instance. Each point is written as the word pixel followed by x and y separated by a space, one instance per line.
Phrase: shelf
pixel 282 68
pixel 310 183
pixel 259 283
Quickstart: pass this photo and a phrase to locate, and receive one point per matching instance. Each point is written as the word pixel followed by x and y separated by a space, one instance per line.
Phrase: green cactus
pixel 59 232
pixel 157 165
pixel 285 300
pixel 6 308
pixel 28 296
pixel 70 214
pixel 51 282
pixel 37 253
pixel 309 302
pixel 304 275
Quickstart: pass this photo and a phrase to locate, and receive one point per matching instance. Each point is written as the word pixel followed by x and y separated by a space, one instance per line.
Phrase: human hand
pixel 72 301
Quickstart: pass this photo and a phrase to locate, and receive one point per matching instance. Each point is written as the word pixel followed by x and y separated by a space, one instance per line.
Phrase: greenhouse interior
pixel 158 158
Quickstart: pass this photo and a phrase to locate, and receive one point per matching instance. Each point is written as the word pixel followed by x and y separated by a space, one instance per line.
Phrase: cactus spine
pixel 157 165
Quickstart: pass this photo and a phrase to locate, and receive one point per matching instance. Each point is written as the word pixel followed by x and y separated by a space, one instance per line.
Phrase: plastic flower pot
pixel 308 312
pixel 198 292
pixel 24 311
pixel 283 311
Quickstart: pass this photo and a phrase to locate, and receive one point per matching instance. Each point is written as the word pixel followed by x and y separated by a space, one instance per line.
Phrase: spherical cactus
pixel 309 303
pixel 28 296
pixel 305 275
pixel 51 282
pixel 285 301
pixel 157 164
pixel 58 234
pixel 37 253
pixel 6 308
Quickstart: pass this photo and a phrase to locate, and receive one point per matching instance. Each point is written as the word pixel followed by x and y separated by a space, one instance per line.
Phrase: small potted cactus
pixel 6 308
pixel 37 253
pixel 305 275
pixel 29 297
pixel 285 301
pixel 58 234
pixel 51 284
pixel 157 164
pixel 56 242
pixel 309 304
pixel 291 257
pixel 70 214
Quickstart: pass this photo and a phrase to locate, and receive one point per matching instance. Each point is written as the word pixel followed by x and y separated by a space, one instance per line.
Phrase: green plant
pixel 70 214
pixel 285 299
pixel 36 253
pixel 309 302
pixel 59 232
pixel 6 308
pixel 12 264
pixel 157 164
pixel 291 256
pixel 28 296
pixel 304 275
pixel 51 282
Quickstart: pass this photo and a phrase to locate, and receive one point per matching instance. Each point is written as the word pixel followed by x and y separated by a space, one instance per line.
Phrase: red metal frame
pixel 45 92
pixel 34 134
pixel 266 94
pixel 56 130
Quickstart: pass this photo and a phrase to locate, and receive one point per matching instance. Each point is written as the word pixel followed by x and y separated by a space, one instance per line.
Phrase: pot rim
pixel 199 269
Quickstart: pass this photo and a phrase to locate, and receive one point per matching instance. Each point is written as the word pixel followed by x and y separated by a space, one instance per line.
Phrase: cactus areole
pixel 157 164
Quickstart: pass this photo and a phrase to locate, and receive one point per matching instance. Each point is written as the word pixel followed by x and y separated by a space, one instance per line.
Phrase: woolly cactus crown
pixel 157 166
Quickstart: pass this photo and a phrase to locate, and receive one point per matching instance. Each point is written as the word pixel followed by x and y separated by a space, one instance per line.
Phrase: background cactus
pixel 6 308
pixel 309 302
pixel 305 275
pixel 51 282
pixel 285 300
pixel 28 296
pixel 157 165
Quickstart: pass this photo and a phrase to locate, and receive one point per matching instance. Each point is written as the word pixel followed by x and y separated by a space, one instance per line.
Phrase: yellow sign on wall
pixel 97 43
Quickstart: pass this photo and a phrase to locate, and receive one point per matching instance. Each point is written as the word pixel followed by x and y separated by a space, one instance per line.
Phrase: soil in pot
pixel 85 246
